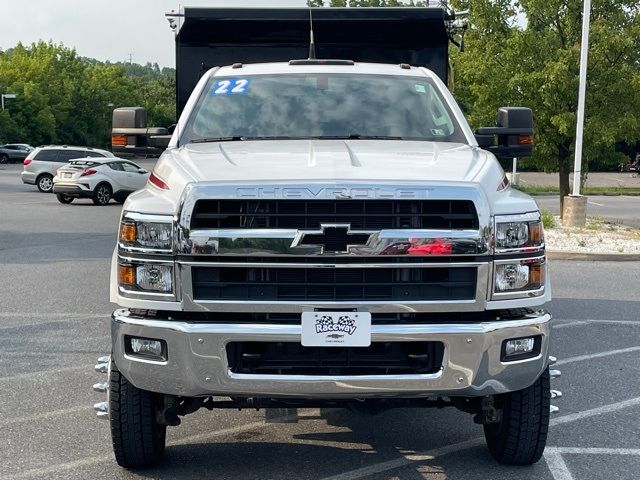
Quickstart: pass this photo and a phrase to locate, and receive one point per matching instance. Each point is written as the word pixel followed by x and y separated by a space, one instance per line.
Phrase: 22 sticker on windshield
pixel 231 86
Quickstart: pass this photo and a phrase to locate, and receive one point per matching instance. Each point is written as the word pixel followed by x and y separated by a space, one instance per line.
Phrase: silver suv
pixel 41 165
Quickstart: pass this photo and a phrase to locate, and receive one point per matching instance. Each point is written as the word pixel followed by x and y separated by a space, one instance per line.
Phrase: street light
pixel 575 206
pixel 7 95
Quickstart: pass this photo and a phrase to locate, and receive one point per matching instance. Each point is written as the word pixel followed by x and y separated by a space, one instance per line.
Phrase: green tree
pixel 64 98
pixel 530 57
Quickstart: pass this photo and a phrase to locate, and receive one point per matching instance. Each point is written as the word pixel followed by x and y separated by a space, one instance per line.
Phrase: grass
pixel 548 221
pixel 553 189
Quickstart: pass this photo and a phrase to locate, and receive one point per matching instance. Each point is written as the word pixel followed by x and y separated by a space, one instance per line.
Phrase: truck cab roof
pixel 286 67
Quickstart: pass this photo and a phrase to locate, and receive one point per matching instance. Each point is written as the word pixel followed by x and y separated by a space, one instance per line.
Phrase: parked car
pixel 41 165
pixel 99 179
pixel 14 152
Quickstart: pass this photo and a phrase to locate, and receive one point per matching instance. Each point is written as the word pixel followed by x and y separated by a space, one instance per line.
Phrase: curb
pixel 594 257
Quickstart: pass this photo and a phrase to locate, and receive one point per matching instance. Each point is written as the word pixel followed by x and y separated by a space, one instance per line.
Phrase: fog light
pixel 146 347
pixel 518 346
pixel 521 348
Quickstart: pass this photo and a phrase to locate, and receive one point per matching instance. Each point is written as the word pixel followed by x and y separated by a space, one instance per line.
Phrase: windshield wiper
pixel 357 136
pixel 218 139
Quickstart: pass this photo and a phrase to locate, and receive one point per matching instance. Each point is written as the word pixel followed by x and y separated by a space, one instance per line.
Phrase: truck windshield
pixel 297 106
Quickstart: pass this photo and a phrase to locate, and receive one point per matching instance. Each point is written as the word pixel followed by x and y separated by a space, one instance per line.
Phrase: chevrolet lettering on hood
pixel 338 193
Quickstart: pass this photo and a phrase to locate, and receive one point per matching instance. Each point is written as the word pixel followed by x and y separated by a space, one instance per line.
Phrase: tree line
pixel 62 98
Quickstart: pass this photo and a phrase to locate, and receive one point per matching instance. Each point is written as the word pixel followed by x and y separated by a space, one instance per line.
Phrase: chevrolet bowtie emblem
pixel 332 238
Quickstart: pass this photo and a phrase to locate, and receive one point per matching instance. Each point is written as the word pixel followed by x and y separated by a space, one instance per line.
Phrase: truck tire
pixel 521 435
pixel 138 440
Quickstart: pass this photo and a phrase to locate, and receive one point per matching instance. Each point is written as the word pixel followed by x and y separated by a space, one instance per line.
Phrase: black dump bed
pixel 209 37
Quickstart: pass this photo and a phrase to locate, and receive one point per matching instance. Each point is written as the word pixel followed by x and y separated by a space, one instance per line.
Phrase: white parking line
pixel 594 203
pixel 43 373
pixel 581 358
pixel 594 451
pixel 43 415
pixel 560 470
pixel 557 466
pixel 570 324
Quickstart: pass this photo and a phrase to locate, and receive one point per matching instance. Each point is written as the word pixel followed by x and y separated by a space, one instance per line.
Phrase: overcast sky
pixel 106 29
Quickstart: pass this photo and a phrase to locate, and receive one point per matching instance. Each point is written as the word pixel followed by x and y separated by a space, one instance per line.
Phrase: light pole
pixel 8 96
pixel 575 206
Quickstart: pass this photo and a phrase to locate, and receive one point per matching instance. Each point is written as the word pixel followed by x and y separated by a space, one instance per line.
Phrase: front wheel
pixel 520 436
pixel 138 439
pixel 4 158
pixel 45 183
pixel 62 198
pixel 102 194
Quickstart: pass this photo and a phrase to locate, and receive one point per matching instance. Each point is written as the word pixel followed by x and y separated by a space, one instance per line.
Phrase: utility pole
pixel 130 58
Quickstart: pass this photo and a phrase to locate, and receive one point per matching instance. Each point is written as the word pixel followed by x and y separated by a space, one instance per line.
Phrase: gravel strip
pixel 599 236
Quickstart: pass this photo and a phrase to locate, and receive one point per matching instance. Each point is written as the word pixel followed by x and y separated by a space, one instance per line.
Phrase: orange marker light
pixel 119 140
pixel 126 275
pixel 535 232
pixel 525 139
pixel 128 233
pixel 535 274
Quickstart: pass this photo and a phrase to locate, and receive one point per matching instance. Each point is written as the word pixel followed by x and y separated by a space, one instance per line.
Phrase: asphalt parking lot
pixel 54 323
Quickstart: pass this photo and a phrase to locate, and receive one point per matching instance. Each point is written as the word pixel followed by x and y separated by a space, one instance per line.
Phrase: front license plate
pixel 336 329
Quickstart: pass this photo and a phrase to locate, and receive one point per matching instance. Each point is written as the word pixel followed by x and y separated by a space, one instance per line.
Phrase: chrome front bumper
pixel 197 362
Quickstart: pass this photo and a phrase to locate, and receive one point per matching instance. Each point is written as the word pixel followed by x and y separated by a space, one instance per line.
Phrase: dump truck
pixel 325 230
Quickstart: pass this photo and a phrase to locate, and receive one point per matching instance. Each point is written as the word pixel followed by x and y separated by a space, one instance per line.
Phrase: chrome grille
pixel 311 214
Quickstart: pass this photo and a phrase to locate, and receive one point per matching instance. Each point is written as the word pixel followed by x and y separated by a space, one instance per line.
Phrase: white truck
pixel 329 233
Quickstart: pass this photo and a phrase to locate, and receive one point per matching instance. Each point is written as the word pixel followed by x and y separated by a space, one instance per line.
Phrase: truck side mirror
pixel 514 133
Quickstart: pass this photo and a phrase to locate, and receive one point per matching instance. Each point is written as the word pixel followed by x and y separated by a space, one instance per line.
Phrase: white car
pixel 41 164
pixel 99 179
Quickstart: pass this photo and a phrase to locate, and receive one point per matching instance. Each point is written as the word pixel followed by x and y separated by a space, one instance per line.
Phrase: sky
pixel 106 29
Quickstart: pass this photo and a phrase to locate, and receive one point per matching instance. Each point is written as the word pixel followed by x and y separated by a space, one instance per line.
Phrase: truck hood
pixel 330 160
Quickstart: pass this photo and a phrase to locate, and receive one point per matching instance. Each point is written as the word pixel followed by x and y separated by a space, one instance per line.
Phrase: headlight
pixel 147 277
pixel 520 276
pixel 515 233
pixel 146 232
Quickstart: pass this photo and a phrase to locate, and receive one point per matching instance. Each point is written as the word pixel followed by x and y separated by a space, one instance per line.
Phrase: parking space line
pixel 594 451
pixel 557 466
pixel 49 414
pixel 25 376
pixel 570 324
pixel 581 358
pixel 575 321
pixel 593 412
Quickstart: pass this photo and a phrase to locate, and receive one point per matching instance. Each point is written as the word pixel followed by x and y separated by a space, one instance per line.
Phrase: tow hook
pixel 490 414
